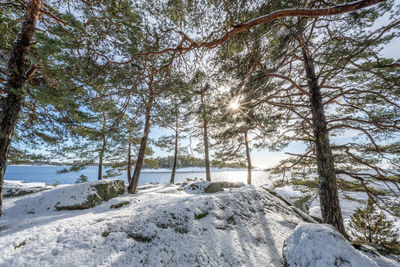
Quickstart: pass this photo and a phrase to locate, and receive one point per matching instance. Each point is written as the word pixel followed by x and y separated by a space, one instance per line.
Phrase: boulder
pixel 315 245
pixel 231 184
pixel 91 194
pixel 209 187
pixel 213 188
pixel 20 188
pixel 219 186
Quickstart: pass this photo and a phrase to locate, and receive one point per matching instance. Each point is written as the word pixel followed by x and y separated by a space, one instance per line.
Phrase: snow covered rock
pixel 213 188
pixel 209 187
pixel 66 197
pixel 20 188
pixel 239 227
pixel 321 245
pixel 91 194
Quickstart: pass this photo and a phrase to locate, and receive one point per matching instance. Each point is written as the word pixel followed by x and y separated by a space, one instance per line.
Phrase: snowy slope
pixel 161 225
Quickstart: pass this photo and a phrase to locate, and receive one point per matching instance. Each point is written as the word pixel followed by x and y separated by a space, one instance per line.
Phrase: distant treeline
pixel 189 161
pixel 158 162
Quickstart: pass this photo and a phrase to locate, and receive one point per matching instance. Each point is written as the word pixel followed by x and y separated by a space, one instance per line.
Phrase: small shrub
pixel 199 216
pixel 82 179
pixel 119 205
pixel 279 183
pixel 368 226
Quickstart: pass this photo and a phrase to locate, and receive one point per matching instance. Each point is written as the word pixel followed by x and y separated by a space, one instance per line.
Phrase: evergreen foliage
pixel 82 179
pixel 372 227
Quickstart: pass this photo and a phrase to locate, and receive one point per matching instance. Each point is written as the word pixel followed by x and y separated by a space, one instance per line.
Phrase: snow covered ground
pixel 161 225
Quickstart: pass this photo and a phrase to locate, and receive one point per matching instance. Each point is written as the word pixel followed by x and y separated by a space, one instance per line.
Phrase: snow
pixel 43 202
pixel 195 187
pixel 161 225
pixel 321 245
pixel 13 188
pixel 289 193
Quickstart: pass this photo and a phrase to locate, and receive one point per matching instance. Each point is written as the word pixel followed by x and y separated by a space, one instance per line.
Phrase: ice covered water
pixel 49 175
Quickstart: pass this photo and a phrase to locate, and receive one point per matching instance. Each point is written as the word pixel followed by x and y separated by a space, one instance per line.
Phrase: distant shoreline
pixel 160 170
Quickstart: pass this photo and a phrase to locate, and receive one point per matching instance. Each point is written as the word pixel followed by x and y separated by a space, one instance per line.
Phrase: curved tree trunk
pixel 246 141
pixel 142 150
pixel 205 138
pixel 329 199
pixel 172 181
pixel 10 105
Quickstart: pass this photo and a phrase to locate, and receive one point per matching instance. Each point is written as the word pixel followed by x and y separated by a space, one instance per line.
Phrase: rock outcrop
pixel 315 245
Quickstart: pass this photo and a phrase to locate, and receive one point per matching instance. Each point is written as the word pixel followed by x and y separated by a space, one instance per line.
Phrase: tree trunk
pixel 172 181
pixel 10 105
pixel 142 150
pixel 205 138
pixel 103 148
pixel 100 172
pixel 329 200
pixel 128 173
pixel 246 141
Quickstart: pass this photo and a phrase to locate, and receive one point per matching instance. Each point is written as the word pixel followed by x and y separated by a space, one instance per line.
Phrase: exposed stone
pixel 213 188
pixel 97 193
pixel 219 186
pixel 231 184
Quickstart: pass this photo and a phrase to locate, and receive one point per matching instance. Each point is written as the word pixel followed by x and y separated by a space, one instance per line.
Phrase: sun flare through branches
pixel 234 105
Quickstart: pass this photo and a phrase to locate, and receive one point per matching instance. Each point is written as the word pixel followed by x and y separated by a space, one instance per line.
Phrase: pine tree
pixel 303 66
pixel 238 127
pixel 171 116
pixel 368 226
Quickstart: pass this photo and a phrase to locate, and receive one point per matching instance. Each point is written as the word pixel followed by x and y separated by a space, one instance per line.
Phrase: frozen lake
pixel 49 175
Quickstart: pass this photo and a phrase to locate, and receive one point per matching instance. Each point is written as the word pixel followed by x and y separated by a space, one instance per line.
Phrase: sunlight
pixel 234 105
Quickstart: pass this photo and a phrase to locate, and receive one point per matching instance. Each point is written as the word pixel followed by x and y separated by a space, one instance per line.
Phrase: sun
pixel 234 105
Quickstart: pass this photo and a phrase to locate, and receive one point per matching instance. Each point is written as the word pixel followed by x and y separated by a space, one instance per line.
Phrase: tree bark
pixel 142 150
pixel 128 173
pixel 172 181
pixel 205 137
pixel 103 148
pixel 100 172
pixel 10 105
pixel 328 193
pixel 246 141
